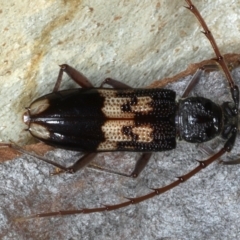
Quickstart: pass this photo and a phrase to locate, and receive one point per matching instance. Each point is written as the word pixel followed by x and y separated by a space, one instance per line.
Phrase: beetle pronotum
pixel 138 122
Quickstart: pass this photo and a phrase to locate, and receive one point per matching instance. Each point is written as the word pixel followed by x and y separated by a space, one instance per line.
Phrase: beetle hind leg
pixel 115 84
pixel 81 163
pixel 75 75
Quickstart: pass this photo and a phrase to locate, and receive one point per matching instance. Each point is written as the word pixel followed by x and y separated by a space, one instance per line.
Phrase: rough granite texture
pixel 136 42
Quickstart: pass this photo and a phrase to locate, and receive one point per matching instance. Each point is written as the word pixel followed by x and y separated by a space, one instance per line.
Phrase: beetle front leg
pixel 196 77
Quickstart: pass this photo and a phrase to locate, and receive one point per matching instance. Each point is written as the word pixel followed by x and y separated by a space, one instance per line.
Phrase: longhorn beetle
pixel 125 119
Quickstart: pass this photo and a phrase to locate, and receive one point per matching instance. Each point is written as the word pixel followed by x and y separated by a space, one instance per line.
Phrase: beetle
pixel 126 119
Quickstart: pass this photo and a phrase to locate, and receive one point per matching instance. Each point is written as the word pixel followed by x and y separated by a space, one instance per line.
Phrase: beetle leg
pixel 114 83
pixel 86 159
pixel 81 163
pixel 206 149
pixel 232 162
pixel 196 77
pixel 139 166
pixel 107 170
pixel 22 150
pixel 75 75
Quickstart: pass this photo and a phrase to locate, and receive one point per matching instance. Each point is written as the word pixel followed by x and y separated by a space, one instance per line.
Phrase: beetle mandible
pixel 124 119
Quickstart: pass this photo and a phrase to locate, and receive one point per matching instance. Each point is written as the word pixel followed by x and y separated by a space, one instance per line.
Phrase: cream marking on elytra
pixel 35 108
pixel 113 133
pixel 39 131
pixel 113 105
pixel 38 106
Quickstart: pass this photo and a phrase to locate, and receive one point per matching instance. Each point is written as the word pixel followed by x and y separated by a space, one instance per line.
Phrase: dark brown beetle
pixel 125 119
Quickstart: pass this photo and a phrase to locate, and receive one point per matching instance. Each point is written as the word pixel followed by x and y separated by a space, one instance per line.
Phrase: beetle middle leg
pixel 114 83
